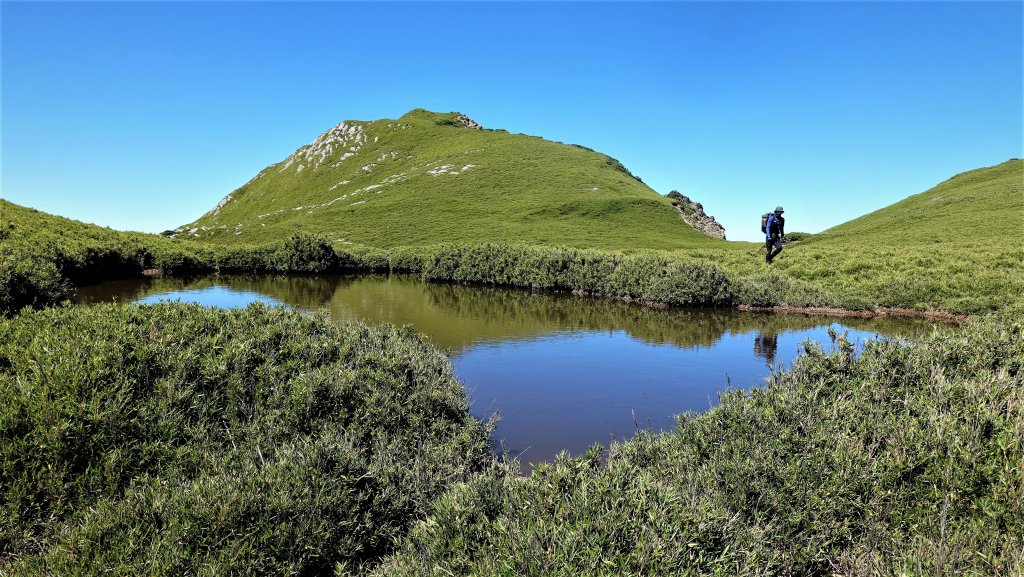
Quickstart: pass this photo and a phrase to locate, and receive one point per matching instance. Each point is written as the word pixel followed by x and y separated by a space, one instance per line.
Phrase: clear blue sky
pixel 141 116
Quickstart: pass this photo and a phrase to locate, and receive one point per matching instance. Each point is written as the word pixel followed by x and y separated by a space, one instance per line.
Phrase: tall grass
pixel 173 440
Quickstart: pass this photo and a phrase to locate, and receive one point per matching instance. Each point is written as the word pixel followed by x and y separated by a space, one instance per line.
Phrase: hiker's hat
pixel 779 209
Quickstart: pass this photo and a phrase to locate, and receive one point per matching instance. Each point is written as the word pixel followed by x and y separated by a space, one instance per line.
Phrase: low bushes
pixel 29 279
pixel 173 439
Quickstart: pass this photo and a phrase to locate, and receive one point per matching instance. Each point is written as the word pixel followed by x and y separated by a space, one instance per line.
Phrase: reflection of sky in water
pixel 560 378
pixel 216 296
pixel 568 391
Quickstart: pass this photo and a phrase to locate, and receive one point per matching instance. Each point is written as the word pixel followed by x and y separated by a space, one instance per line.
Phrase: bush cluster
pixel 177 440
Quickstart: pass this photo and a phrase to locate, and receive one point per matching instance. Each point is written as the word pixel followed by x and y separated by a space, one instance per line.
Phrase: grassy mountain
pixel 429 178
pixel 987 203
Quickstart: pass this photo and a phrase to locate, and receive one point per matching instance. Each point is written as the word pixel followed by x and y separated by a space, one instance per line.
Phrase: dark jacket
pixel 776 227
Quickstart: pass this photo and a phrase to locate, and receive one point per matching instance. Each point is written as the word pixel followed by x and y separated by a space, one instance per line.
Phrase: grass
pixel 902 461
pixel 173 439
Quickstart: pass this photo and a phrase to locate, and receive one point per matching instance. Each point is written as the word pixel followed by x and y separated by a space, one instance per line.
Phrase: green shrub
pixel 28 279
pixel 303 252
pixel 691 284
pixel 406 259
pixel 635 274
pixel 365 258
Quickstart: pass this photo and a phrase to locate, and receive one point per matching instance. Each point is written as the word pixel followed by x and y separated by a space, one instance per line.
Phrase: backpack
pixel 764 222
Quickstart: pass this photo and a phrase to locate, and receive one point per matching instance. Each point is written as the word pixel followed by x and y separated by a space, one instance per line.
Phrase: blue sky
pixel 141 116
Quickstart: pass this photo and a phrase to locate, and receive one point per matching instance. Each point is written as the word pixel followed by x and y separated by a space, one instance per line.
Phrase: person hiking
pixel 774 232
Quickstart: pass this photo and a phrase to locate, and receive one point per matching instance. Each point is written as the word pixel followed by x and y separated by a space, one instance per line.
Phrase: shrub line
pixel 42 274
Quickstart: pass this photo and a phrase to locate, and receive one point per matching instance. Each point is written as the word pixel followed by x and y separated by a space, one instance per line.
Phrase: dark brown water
pixel 564 372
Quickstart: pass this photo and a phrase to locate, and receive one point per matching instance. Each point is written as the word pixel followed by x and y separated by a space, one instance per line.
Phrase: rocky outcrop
pixel 467 122
pixel 693 214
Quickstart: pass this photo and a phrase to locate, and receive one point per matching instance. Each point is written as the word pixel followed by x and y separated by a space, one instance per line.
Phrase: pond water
pixel 564 372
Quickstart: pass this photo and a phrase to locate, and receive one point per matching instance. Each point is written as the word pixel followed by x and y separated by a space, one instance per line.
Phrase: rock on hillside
pixel 693 214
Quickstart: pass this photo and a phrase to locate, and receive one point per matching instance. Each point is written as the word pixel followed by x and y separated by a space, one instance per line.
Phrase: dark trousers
pixel 769 245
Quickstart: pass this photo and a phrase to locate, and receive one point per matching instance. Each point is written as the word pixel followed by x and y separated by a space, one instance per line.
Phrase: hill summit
pixel 431 177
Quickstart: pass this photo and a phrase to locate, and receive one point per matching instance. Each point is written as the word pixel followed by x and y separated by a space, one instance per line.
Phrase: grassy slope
pixel 974 207
pixel 958 246
pixel 520 189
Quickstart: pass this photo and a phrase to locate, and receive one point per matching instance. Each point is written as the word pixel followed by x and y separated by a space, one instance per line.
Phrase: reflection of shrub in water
pixel 537 314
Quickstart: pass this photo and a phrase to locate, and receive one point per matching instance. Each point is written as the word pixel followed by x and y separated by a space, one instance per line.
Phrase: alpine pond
pixel 562 372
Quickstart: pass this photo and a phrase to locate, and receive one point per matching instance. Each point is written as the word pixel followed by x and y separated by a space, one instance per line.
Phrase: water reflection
pixel 457 316
pixel 765 346
pixel 564 371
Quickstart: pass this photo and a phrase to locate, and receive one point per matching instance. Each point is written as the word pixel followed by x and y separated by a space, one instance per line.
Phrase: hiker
pixel 774 232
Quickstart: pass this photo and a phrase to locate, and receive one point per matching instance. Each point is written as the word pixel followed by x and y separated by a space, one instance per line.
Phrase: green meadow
pixel 172 439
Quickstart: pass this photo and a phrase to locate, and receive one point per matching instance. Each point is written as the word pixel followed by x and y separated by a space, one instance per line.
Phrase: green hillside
pixel 958 247
pixel 987 203
pixel 429 178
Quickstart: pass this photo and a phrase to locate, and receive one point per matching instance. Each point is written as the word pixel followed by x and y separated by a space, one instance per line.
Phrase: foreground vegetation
pixel 178 440
pixel 173 439
pixel 902 461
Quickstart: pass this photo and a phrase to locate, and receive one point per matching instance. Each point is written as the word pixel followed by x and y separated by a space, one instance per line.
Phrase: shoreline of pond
pixel 934 315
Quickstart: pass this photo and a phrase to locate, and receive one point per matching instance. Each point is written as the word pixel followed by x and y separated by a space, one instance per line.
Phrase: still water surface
pixel 564 372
